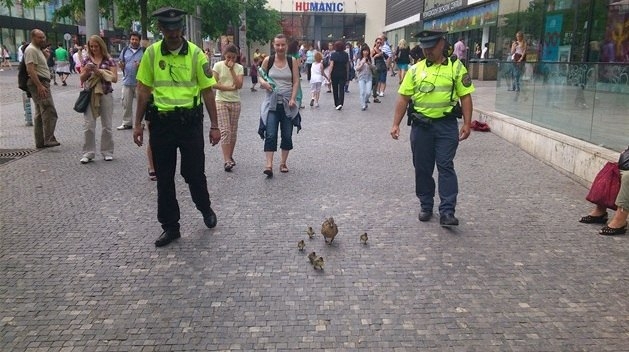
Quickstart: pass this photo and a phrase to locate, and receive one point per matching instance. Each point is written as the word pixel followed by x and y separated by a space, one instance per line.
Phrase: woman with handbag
pixel 518 55
pixel 98 73
pixel 618 224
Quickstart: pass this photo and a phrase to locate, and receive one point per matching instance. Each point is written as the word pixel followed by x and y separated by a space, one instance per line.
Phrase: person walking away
pixel 317 76
pixel 98 74
pixel 45 119
pixel 294 50
pixel 6 58
pixel 485 53
pixel 50 61
pixel 229 76
pixel 326 66
pixel 176 74
pixel 435 86
pixel 62 58
pixel 128 62
pixel 352 71
pixel 309 61
pixel 279 109
pixel 339 73
pixel 77 57
pixel 403 58
pixel 254 73
pixel 460 50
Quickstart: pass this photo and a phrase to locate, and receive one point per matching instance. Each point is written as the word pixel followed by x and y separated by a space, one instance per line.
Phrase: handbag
pixel 83 101
pixel 605 186
pixel 623 160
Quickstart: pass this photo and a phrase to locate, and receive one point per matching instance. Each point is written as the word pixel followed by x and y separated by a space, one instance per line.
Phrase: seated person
pixel 618 224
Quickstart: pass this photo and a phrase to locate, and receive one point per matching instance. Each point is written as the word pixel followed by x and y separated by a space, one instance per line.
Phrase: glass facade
pixel 321 28
pixel 575 76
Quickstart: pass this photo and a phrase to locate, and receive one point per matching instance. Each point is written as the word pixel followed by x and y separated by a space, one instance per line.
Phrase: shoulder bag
pixel 83 101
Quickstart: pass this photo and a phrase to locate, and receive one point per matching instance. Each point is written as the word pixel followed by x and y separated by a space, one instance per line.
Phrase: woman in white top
pixel 317 75
pixel 229 77
pixel 363 72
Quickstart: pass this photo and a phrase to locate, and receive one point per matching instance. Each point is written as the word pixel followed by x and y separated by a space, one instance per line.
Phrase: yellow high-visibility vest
pixel 176 80
pixel 446 80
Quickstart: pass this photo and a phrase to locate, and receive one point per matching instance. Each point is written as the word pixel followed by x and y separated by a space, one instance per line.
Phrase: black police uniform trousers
pixel 435 143
pixel 166 136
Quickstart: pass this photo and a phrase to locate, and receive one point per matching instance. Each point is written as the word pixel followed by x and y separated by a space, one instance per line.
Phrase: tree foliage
pixel 217 16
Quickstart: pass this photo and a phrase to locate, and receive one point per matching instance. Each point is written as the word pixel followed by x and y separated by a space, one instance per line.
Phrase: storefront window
pixel 40 12
pixel 573 78
pixel 349 27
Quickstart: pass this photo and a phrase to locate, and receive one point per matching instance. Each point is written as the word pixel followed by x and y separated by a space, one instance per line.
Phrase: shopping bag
pixel 605 187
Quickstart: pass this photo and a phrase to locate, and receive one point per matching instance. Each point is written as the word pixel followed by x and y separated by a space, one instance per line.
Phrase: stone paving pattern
pixel 80 271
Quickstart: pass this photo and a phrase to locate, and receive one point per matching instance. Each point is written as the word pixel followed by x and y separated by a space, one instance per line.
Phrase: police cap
pixel 170 18
pixel 429 38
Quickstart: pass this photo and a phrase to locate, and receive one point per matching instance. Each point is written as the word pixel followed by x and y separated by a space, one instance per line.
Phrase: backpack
pixel 326 61
pixel 124 51
pixel 290 67
pixel 272 60
pixel 22 77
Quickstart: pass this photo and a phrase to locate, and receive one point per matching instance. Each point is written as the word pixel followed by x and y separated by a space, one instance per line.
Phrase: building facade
pixel 17 21
pixel 320 22
pixel 403 20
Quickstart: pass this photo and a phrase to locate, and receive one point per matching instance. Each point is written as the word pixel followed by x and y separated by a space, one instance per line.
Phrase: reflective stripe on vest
pixel 168 90
pixel 441 99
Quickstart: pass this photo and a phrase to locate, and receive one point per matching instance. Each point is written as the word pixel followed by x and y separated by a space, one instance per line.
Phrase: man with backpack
pixel 39 87
pixel 129 60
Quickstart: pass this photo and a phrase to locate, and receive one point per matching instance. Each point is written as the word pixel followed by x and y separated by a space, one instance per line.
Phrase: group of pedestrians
pixel 173 112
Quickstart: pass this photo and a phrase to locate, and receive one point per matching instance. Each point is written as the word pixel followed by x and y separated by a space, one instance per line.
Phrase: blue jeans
pixel 278 120
pixel 365 91
pixel 432 145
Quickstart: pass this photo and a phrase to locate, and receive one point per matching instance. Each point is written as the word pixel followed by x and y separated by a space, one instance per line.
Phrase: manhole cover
pixel 7 155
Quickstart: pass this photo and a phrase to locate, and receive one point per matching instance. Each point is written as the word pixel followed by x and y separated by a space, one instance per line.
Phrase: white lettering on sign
pixel 443 8
pixel 306 6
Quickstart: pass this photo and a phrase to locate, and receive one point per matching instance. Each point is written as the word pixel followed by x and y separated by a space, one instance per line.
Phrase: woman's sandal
pixel 613 231
pixel 591 219
pixel 283 168
pixel 268 171
pixel 228 166
pixel 152 175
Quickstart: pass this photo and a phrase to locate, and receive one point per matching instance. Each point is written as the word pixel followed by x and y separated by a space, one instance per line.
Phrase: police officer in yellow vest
pixel 435 85
pixel 175 75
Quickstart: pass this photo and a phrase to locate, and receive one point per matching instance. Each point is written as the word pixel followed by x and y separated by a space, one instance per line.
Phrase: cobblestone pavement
pixel 80 271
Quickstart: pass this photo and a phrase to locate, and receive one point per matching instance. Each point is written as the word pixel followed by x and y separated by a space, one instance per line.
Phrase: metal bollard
pixel 28 114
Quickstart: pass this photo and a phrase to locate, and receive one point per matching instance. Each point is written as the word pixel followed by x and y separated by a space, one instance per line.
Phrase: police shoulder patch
pixel 207 70
pixel 466 80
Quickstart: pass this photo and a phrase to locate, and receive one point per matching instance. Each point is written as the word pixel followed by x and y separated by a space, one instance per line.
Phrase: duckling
pixel 301 244
pixel 364 238
pixel 312 256
pixel 310 232
pixel 318 263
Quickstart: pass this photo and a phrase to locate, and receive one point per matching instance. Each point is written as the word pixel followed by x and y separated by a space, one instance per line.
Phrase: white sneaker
pixel 109 158
pixel 380 94
pixel 339 107
pixel 85 160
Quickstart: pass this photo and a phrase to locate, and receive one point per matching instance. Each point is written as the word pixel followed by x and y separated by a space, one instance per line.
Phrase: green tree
pixel 216 15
